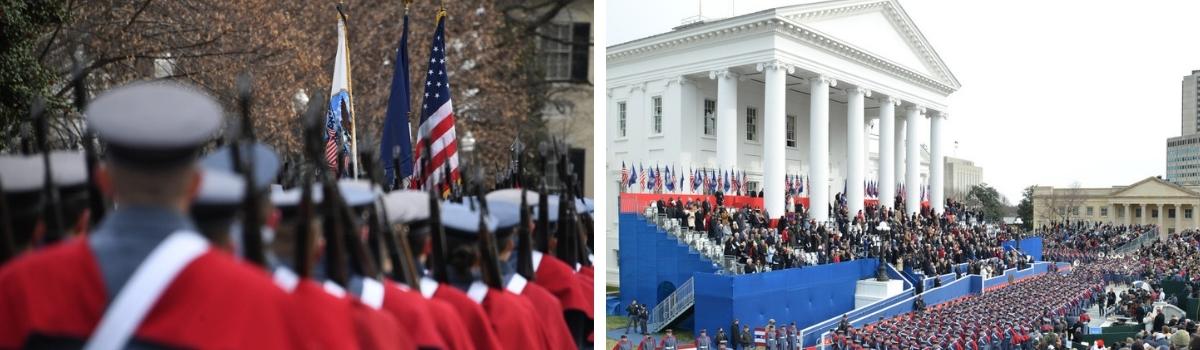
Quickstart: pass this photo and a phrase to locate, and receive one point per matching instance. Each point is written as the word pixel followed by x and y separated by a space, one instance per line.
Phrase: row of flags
pixel 396 148
pixel 669 179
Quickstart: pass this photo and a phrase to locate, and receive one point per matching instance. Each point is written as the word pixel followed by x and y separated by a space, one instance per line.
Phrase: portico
pixel 788 91
pixel 1152 201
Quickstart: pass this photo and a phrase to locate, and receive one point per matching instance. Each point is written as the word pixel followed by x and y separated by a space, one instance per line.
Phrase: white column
pixel 818 148
pixel 1161 213
pixel 1145 213
pixel 727 83
pixel 1178 217
pixel 912 158
pixel 1195 216
pixel 936 162
pixel 887 151
pixel 774 133
pixel 898 150
pixel 855 148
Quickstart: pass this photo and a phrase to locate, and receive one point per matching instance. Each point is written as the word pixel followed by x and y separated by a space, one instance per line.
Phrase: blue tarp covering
pixel 1031 246
pixel 804 295
pixel 653 263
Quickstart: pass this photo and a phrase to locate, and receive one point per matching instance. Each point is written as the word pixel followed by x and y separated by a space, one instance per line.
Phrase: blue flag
pixel 632 176
pixel 396 127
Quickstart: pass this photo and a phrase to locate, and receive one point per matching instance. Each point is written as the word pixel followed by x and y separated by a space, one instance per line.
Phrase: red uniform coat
pixel 324 318
pixel 412 312
pixel 450 326
pixel 516 324
pixel 551 313
pixel 561 280
pixel 475 320
pixel 214 302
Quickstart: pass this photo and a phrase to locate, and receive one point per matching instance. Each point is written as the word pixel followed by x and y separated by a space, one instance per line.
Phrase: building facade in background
pixel 961 176
pixel 1152 201
pixel 1183 152
pixel 568 112
pixel 789 90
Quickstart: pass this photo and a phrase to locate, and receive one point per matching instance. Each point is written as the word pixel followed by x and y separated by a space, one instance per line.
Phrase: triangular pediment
pixel 1154 187
pixel 880 27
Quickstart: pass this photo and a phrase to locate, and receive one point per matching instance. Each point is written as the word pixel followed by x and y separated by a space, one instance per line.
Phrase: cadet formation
pixel 166 233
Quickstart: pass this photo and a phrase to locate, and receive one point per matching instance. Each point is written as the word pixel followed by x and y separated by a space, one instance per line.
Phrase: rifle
pixel 396 180
pixel 437 235
pixel 543 224
pixel 96 205
pixel 489 264
pixel 53 207
pixel 331 225
pixel 310 123
pixel 8 247
pixel 525 242
pixel 252 249
pixel 403 269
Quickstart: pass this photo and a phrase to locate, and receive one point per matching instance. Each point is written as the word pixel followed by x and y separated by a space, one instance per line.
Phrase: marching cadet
pixel 216 206
pixel 95 291
pixel 556 276
pixel 508 222
pixel 647 343
pixel 412 207
pixel 221 211
pixel 772 341
pixel 71 178
pixel 514 319
pixel 702 341
pixel 668 341
pixel 22 179
pixel 406 207
pixel 406 306
pixel 623 343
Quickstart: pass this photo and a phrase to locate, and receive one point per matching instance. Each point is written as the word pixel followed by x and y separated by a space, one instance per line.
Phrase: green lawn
pixel 618 322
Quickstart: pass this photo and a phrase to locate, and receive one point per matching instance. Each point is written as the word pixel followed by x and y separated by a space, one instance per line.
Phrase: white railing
pixel 698 241
pixel 667 310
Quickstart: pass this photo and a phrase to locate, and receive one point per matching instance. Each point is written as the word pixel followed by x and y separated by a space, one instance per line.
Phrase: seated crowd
pixel 1085 241
pixel 1031 313
pixel 926 242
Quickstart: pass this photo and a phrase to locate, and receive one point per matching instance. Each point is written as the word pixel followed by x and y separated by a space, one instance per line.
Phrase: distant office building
pixel 961 176
pixel 1191 103
pixel 1183 152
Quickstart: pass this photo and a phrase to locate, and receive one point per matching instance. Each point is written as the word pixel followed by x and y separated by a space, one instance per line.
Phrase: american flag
pixel 624 173
pixel 642 178
pixel 437 117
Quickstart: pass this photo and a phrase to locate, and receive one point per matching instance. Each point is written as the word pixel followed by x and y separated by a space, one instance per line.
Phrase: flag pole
pixel 350 97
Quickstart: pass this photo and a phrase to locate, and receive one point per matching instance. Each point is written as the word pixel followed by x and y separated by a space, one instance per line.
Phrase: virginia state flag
pixel 397 130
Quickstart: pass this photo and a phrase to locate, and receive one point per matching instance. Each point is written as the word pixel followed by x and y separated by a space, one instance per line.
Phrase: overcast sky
pixel 1053 92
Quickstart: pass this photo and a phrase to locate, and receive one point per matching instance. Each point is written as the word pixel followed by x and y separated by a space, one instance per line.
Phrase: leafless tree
pixel 1062 204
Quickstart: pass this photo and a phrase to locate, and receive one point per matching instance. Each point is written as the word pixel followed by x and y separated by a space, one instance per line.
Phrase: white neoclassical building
pixel 789 90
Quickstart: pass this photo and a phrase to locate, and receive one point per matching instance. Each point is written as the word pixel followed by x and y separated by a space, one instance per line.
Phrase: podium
pixel 869 291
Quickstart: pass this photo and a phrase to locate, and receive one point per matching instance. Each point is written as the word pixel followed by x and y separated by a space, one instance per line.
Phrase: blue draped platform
pixel 652 263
